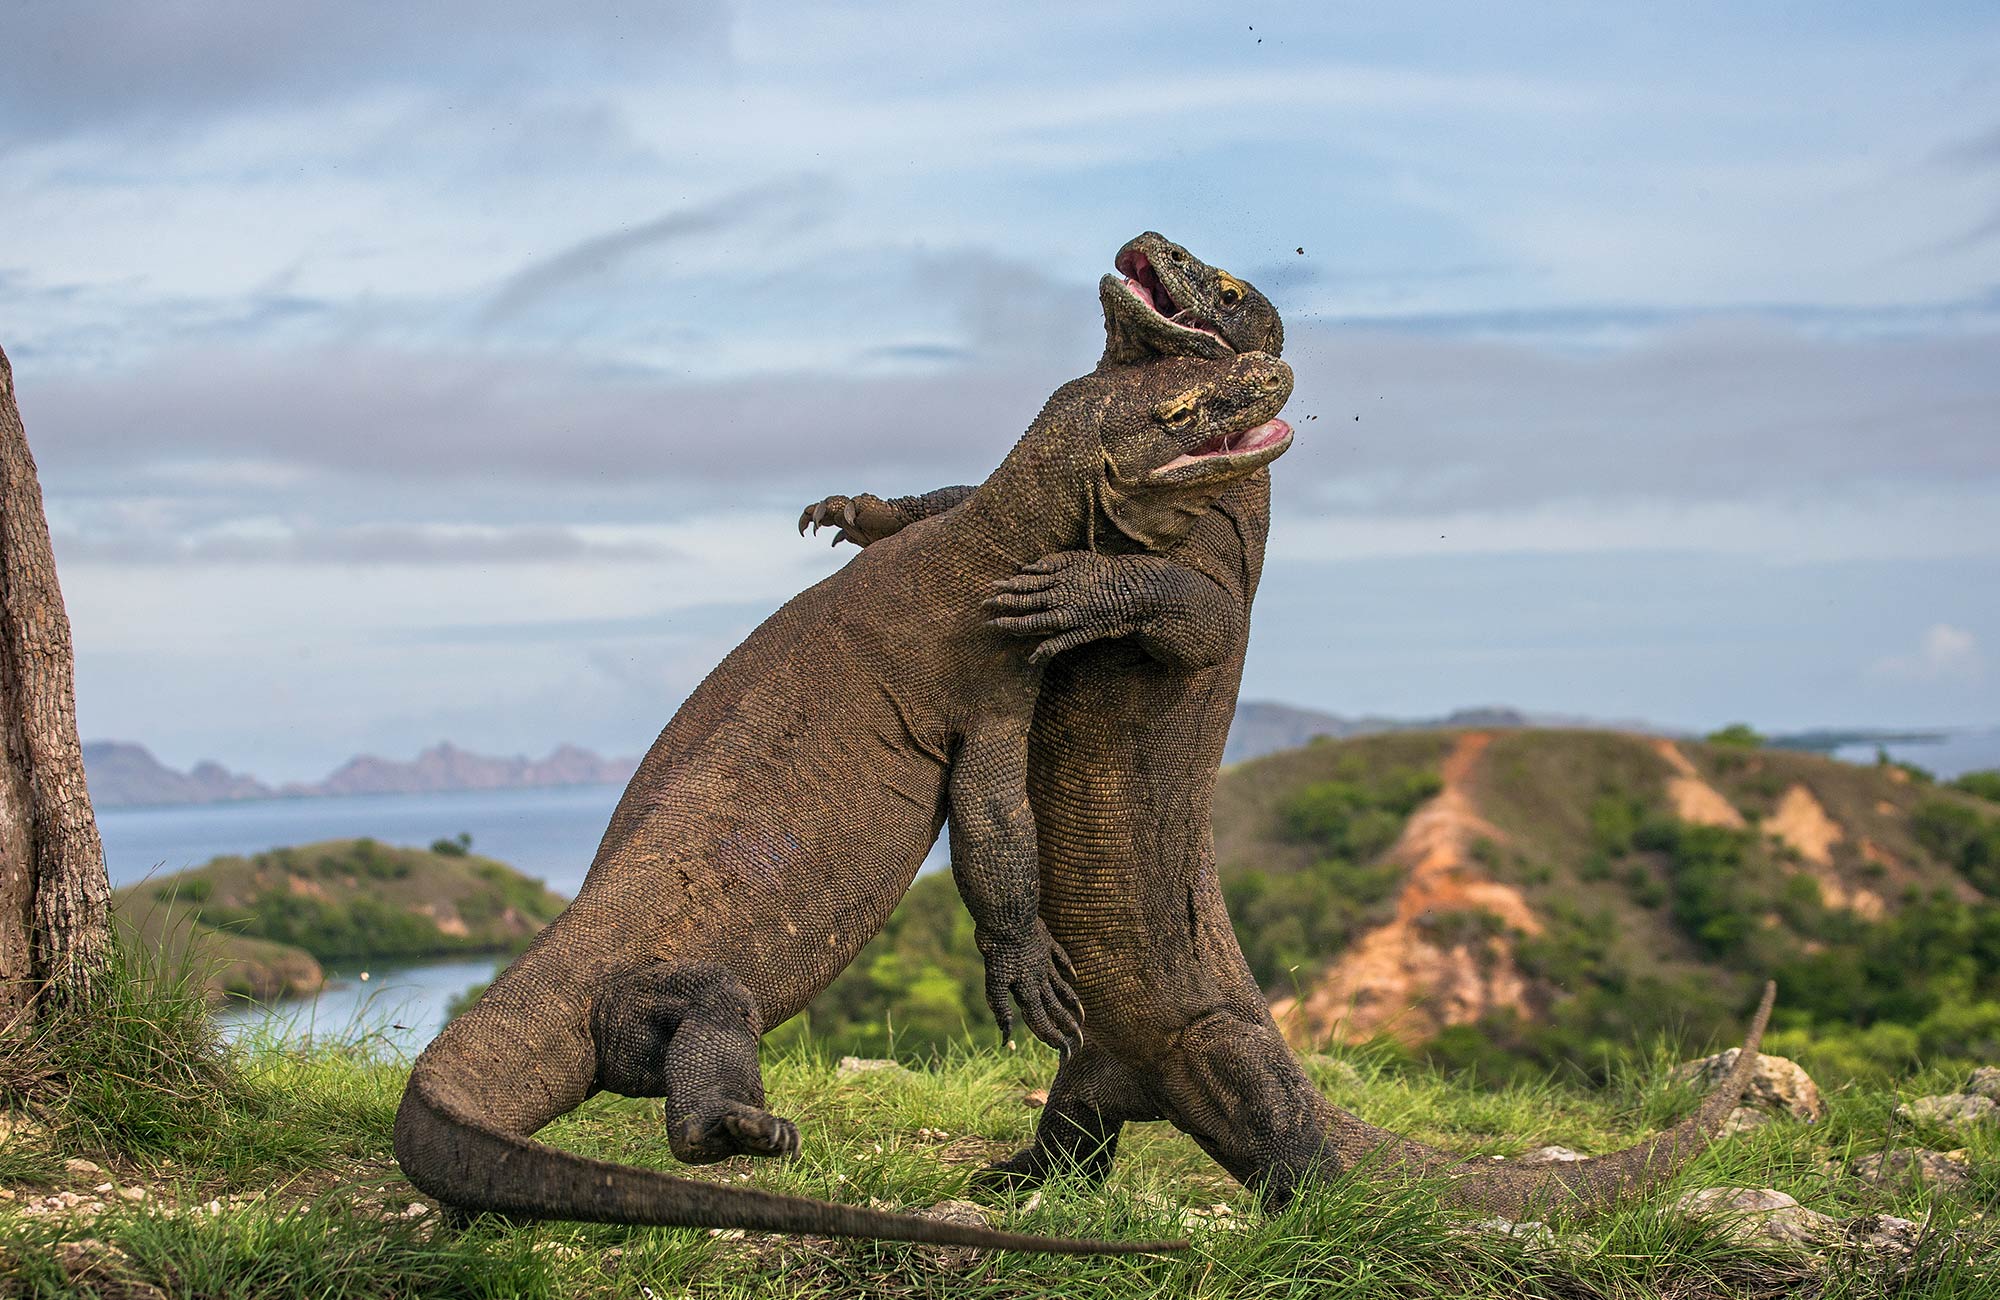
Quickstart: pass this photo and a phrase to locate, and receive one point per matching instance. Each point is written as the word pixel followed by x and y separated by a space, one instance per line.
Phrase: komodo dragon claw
pixel 863 520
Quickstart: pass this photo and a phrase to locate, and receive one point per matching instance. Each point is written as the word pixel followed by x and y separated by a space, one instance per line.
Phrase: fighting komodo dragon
pixel 1128 734
pixel 783 812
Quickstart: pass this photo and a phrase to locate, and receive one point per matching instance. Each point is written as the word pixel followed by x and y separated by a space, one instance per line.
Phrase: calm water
pixel 1955 755
pixel 547 833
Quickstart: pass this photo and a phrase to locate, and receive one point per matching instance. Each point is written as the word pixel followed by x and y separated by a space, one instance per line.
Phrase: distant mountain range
pixel 1266 727
pixel 123 774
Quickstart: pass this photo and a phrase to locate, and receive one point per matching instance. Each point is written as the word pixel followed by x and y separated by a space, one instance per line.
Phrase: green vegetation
pixel 1986 785
pixel 294 1145
pixel 1286 919
pixel 1737 735
pixel 917 991
pixel 344 900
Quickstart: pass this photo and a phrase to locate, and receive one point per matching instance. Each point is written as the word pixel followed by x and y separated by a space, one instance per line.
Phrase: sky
pixel 407 372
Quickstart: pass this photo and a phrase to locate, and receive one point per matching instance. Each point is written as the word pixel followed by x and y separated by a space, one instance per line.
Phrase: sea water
pixel 551 834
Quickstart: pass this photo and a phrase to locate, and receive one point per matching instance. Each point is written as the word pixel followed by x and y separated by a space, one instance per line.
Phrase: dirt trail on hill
pixel 1395 979
pixel 1695 800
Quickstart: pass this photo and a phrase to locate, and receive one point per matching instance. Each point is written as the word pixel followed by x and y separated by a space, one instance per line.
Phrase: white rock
pixel 1946 1171
pixel 853 1065
pixel 1776 1084
pixel 1885 1232
pixel 78 1165
pixel 1758 1214
pixel 1956 1110
pixel 1549 1155
pixel 1985 1082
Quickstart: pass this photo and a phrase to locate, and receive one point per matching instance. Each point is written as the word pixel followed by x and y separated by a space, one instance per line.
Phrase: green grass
pixel 140 1086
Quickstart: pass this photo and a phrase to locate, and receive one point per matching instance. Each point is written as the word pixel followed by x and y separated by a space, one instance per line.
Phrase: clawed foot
pixel 1031 968
pixel 1066 599
pixel 760 1133
pixel 738 1130
pixel 862 519
pixel 1020 1172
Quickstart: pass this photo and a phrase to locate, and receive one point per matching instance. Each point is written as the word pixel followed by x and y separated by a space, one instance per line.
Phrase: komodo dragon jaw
pixel 1191 299
pixel 449 1154
pixel 1157 480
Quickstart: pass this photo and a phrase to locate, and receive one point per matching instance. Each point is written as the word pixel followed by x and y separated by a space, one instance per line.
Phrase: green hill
pixel 273 916
pixel 1512 900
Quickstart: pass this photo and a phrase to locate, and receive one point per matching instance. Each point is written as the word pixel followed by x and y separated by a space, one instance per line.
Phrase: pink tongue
pixel 1144 294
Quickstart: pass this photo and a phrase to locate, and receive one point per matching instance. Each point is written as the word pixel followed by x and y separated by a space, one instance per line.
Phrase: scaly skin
pixel 784 811
pixel 1128 735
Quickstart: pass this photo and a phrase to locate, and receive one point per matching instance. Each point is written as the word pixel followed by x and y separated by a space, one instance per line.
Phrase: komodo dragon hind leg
pixel 1092 1098
pixel 688 1033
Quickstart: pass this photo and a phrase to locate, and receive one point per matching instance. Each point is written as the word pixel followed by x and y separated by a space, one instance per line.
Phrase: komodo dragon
pixel 1127 738
pixel 784 811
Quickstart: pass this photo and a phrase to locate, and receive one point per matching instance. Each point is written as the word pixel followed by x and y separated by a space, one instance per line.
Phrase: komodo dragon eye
pixel 1177 411
pixel 1232 290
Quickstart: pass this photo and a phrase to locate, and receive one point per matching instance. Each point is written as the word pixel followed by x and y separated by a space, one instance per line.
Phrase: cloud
pixel 363 545
pixel 1721 411
pixel 94 63
pixel 1946 653
pixel 792 203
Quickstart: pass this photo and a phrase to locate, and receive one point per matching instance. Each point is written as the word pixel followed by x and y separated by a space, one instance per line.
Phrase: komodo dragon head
pixel 1165 301
pixel 1204 430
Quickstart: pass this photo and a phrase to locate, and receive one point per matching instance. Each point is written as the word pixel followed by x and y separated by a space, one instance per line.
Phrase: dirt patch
pixel 1802 823
pixel 305 888
pixel 1694 799
pixel 1396 979
pixel 446 920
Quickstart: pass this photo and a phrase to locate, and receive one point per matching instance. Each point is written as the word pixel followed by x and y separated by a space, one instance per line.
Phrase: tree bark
pixel 54 894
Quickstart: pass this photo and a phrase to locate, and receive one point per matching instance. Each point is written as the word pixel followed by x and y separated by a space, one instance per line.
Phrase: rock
pixel 1533 1232
pixel 1985 1082
pixel 1761 1214
pixel 80 1167
pixel 1777 1085
pixel 961 1212
pixel 1190 1217
pixel 18 1126
pixel 1954 1110
pixel 1035 1098
pixel 1743 1120
pixel 1885 1233
pixel 1944 1171
pixel 133 1193
pixel 1548 1156
pixel 853 1065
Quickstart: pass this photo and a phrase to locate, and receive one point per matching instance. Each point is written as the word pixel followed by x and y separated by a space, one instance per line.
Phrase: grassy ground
pixel 267 1172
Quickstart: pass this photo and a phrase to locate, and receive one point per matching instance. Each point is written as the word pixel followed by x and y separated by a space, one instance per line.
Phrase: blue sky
pixel 455 370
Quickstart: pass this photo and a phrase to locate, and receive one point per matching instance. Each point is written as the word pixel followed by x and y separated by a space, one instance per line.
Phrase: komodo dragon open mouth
pixel 1266 441
pixel 1145 284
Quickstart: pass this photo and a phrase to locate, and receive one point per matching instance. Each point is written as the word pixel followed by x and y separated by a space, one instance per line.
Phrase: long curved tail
pixel 453 1156
pixel 1516 1190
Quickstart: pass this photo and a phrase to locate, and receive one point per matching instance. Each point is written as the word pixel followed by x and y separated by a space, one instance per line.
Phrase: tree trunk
pixel 54 894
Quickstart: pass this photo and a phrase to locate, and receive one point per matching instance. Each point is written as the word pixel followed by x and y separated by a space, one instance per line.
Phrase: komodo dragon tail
pixel 1515 1190
pixel 472 1166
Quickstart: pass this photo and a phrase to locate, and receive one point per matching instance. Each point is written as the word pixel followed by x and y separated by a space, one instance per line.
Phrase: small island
pixel 263 924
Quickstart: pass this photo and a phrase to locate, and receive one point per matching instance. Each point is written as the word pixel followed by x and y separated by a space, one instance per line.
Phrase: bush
pixel 1985 785
pixel 1737 735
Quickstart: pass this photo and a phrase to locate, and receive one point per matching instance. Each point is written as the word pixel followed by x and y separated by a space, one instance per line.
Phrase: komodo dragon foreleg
pixel 998 872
